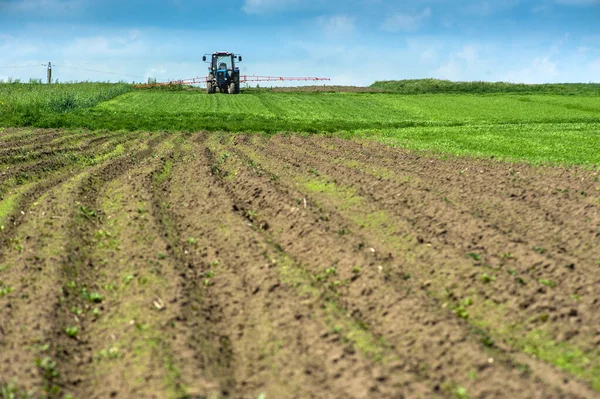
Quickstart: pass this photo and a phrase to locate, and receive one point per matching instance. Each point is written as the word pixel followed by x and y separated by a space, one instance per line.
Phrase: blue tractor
pixel 222 73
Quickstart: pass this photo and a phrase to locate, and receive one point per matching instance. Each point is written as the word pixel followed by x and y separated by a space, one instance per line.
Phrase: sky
pixel 352 42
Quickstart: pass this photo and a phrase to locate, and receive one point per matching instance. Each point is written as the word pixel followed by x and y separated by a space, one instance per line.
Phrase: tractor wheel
pixel 232 88
pixel 210 87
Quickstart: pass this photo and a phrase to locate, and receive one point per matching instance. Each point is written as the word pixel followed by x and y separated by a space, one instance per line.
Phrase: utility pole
pixel 49 72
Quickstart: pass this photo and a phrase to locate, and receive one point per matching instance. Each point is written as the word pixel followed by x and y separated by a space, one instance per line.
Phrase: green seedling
pixel 127 279
pixel 192 241
pixel 48 368
pixel 92 296
pixel 520 281
pixel 72 331
pixel 103 234
pixel 71 284
pixel 461 312
pixel 406 276
pixel 108 354
pixel 547 283
pixel 461 393
pixel 539 250
pixel 96 312
pixel 5 289
pixel 87 212
pixel 512 272
pixel 486 278
pixel 474 256
pixel 77 311
pixel 162 255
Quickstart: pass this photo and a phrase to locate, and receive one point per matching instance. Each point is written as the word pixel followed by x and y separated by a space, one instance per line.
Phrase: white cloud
pixel 266 6
pixel 337 25
pixel 540 70
pixel 405 22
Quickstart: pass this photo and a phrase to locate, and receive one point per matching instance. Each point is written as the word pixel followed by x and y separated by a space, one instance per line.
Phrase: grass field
pixel 172 244
pixel 536 128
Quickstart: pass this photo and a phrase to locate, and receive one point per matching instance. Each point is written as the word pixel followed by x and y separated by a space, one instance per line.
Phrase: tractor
pixel 222 73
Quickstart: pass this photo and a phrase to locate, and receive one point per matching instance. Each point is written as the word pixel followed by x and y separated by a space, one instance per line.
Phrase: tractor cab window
pixel 223 62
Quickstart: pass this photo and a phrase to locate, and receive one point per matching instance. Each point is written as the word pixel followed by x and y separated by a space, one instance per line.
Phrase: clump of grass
pixel 486 278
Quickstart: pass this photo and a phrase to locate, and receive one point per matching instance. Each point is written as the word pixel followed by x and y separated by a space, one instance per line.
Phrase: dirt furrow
pixel 460 234
pixel 526 276
pixel 245 302
pixel 40 149
pixel 560 205
pixel 282 170
pixel 27 137
pixel 133 338
pixel 72 347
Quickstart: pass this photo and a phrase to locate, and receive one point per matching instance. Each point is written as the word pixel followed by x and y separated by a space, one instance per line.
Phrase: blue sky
pixel 351 41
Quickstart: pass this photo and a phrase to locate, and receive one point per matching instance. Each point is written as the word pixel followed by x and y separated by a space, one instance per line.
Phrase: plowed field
pixel 207 265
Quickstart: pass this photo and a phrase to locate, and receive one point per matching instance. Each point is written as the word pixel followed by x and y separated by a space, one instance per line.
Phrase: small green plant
pixel 11 390
pixel 512 272
pixel 72 331
pixel 77 311
pixel 5 289
pixel 192 241
pixel 48 368
pixel 520 281
pixel 162 255
pixel 87 212
pixel 507 256
pixel 127 279
pixel 356 270
pixel 547 283
pixel 474 256
pixel 208 278
pixel 108 354
pixel 461 392
pixel 461 312
pixel 486 278
pixel 539 250
pixel 405 276
pixel 92 296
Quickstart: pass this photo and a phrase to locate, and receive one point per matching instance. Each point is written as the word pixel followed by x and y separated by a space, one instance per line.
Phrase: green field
pixel 539 128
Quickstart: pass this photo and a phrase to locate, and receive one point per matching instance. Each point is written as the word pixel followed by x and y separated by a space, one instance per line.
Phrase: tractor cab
pixel 222 73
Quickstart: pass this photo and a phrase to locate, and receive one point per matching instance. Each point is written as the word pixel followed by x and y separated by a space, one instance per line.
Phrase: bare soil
pixel 210 265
